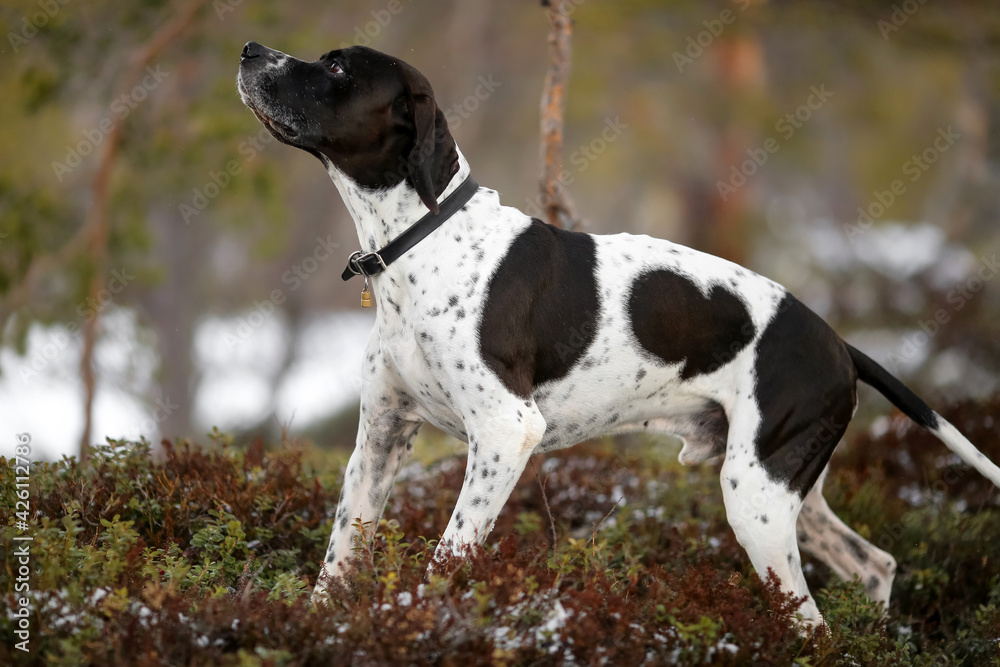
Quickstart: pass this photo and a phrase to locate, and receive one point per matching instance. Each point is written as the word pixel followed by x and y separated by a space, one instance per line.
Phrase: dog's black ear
pixel 433 159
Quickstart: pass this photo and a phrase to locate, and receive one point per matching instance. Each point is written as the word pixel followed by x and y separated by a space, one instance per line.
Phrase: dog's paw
pixel 810 627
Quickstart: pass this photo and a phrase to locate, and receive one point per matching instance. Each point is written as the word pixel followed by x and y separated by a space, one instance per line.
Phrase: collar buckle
pixel 360 263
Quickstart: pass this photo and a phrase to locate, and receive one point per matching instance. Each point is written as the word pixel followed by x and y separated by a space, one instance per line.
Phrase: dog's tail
pixel 914 407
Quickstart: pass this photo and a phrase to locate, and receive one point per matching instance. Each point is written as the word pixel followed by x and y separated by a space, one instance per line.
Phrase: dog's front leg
pixel 499 448
pixel 385 441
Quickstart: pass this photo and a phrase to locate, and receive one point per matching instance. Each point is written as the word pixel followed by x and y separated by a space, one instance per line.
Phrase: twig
pixel 545 500
pixel 556 202
pixel 597 526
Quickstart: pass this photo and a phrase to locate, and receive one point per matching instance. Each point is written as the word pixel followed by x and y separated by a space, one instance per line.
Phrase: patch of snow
pixel 649 513
pixel 879 427
pixel 953 267
pixel 45 383
pixel 505 638
pixel 900 250
pixel 724 645
pixel 236 357
pixel 953 369
pixel 146 617
pixel 230 398
pixel 827 244
pixel 98 595
pixel 549 631
pixel 326 375
pixel 912 494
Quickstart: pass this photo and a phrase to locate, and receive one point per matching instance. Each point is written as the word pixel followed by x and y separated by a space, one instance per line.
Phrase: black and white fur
pixel 520 338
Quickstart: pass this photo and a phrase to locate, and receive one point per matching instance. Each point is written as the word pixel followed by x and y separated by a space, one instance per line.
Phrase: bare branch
pixel 545 501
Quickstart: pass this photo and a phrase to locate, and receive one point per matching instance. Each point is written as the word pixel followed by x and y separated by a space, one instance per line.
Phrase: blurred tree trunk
pixel 172 308
pixel 739 69
pixel 557 203
pixel 99 222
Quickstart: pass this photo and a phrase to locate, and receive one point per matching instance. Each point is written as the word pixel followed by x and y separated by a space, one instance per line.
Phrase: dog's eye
pixel 336 68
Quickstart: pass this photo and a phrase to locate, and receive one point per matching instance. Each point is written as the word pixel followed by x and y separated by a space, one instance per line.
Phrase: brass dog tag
pixel 366 296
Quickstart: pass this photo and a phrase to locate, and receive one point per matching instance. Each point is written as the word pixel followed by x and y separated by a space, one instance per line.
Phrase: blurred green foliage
pixel 688 127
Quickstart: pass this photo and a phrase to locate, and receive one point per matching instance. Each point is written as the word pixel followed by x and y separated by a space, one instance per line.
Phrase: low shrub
pixel 207 555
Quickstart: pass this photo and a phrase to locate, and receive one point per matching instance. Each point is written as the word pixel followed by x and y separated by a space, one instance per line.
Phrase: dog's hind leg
pixel 825 536
pixel 765 479
pixel 763 513
pixel 781 436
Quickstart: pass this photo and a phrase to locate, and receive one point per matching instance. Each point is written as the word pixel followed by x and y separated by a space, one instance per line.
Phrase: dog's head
pixel 372 116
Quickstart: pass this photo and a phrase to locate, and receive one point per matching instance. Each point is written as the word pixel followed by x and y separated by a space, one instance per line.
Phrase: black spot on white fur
pixel 806 389
pixel 673 320
pixel 540 315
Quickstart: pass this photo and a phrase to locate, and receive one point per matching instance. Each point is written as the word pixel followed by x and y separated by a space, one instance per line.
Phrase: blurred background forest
pixel 849 150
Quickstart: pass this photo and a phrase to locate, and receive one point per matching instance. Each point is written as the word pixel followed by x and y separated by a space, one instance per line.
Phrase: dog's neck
pixel 382 215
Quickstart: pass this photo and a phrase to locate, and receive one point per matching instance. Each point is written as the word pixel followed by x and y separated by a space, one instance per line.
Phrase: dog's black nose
pixel 253 50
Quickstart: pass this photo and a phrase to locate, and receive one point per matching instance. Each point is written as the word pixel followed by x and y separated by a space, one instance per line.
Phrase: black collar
pixel 374 263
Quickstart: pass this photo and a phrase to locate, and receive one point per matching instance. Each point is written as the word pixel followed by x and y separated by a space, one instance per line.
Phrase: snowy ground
pixel 41 394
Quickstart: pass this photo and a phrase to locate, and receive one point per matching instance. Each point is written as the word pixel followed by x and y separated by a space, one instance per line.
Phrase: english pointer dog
pixel 520 338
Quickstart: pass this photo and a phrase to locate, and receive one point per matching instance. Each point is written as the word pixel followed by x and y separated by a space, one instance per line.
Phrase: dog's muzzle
pixel 252 50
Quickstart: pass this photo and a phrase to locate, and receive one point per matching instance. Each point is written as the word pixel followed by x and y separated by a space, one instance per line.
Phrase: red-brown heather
pixel 206 555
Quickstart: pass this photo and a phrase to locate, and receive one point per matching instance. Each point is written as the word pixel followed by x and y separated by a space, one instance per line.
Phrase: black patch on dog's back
pixel 541 309
pixel 806 394
pixel 674 320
